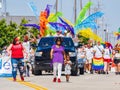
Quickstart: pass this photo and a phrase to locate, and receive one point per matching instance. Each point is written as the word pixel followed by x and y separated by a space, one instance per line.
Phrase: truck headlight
pixel 38 54
pixel 72 54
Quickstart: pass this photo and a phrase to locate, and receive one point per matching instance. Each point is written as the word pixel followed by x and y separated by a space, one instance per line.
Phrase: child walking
pixel 67 68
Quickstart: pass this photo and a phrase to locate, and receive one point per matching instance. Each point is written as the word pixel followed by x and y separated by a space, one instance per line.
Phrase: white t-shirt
pixel 38 40
pixel 56 35
pixel 117 55
pixel 26 45
pixel 98 51
pixel 106 53
pixel 69 35
pixel 89 53
pixel 80 54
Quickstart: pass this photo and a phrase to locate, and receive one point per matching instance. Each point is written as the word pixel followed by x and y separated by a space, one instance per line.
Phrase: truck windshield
pixel 67 42
pixel 48 42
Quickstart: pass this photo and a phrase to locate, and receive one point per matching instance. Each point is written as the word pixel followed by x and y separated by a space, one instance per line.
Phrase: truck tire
pixel 36 72
pixel 74 71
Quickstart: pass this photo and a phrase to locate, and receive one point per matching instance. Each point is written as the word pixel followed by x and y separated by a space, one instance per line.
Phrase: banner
pixel 5 67
pixel 98 64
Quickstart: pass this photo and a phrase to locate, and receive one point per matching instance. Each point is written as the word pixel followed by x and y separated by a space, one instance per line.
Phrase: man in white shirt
pixel 89 57
pixel 98 55
pixel 98 50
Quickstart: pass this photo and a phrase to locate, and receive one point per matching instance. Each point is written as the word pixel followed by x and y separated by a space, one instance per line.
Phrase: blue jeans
pixel 81 60
pixel 17 63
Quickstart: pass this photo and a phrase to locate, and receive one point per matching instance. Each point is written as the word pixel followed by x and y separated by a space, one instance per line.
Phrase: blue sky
pixel 109 7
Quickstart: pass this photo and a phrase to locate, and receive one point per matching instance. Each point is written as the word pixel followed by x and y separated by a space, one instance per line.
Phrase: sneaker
pixel 14 79
pixel 54 80
pixel 22 78
pixel 59 80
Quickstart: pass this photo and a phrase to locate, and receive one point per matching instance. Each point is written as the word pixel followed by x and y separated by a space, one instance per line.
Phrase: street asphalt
pixel 81 82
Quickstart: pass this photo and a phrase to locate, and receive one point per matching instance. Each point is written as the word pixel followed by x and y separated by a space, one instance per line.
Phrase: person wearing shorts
pixel 117 61
pixel 107 59
pixel 89 57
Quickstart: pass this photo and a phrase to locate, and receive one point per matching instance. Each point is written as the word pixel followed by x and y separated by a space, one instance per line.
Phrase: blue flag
pixel 33 8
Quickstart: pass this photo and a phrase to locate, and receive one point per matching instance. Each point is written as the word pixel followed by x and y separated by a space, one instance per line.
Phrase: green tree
pixel 11 30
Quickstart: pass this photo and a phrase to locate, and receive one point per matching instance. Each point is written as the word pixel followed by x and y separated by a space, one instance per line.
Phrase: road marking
pixel 34 86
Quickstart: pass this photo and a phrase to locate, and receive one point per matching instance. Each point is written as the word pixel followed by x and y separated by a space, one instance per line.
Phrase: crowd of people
pixel 96 54
pixel 96 58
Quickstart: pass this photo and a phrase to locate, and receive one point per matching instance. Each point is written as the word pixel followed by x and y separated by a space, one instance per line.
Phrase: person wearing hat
pixel 57 56
pixel 16 51
pixel 107 58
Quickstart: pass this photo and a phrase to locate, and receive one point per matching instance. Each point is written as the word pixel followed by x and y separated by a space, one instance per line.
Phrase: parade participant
pixel 32 55
pixel 76 40
pixel 57 55
pixel 67 67
pixel 107 59
pixel 98 63
pixel 81 57
pixel 116 58
pixel 69 34
pixel 26 45
pixel 38 38
pixel 89 58
pixel 16 50
pixel 59 34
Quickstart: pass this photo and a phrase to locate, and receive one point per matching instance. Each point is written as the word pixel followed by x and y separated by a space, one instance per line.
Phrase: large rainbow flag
pixel 98 64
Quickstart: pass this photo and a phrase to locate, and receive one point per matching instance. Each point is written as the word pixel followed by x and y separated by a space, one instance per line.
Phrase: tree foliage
pixel 11 30
pixel 83 40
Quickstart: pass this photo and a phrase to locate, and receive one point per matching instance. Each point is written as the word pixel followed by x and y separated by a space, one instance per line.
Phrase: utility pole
pixel 89 8
pixel 0 4
pixel 56 6
pixel 81 5
pixel 61 5
pixel 5 7
pixel 75 16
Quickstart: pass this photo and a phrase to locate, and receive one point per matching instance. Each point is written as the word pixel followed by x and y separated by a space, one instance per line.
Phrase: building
pixel 17 19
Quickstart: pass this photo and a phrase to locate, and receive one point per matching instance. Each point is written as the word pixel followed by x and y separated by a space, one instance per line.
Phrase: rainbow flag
pixel 98 64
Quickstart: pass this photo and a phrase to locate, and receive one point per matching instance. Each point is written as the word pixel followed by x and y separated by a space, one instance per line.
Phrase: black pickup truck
pixel 42 55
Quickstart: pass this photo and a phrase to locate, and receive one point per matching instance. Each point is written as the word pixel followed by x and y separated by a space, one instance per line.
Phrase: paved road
pixel 44 82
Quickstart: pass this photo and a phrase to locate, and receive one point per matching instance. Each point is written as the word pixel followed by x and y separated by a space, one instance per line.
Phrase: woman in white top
pixel 107 59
